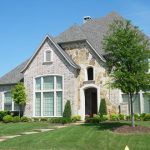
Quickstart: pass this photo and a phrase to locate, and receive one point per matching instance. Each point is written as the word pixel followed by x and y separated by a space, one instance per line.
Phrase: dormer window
pixel 90 73
pixel 48 56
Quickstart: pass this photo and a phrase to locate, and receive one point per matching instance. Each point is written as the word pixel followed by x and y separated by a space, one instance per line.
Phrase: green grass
pixel 83 137
pixel 15 128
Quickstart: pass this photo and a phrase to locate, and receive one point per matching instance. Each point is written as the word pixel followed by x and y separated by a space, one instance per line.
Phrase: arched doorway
pixel 90 101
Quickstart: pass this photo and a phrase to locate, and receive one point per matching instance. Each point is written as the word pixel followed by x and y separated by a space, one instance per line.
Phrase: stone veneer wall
pixel 84 56
pixel 3 89
pixel 58 66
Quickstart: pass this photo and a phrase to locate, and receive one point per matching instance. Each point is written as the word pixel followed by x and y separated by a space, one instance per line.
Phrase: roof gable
pixel 60 50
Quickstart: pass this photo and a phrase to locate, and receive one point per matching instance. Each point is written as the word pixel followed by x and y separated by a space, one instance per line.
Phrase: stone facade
pixel 84 56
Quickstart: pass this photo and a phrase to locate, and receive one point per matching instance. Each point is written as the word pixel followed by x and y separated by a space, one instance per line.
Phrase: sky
pixel 24 23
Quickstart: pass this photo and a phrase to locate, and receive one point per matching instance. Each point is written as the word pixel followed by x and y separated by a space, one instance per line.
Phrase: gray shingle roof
pixel 92 30
pixel 14 75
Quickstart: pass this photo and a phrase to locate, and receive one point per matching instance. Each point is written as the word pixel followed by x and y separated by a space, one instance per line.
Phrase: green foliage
pixel 16 119
pixel 19 95
pixel 25 119
pixel 93 120
pixel 136 116
pixel 127 58
pixel 3 114
pixel 103 108
pixel 104 118
pixel 44 119
pixel 59 120
pixel 8 118
pixel 75 118
pixel 114 117
pixel 142 116
pixel 67 110
pixel 121 117
pixel 147 117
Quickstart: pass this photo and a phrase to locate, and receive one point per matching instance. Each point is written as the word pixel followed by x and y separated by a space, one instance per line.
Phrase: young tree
pixel 67 110
pixel 19 95
pixel 127 59
pixel 103 107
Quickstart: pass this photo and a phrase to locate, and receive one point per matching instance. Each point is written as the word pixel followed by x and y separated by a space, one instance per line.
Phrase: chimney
pixel 86 19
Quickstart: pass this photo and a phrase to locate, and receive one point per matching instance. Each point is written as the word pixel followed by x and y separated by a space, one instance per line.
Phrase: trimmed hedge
pixel 147 117
pixel 25 119
pixel 16 119
pixel 60 120
pixel 8 119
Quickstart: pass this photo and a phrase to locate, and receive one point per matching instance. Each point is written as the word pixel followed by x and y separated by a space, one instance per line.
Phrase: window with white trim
pixel 48 56
pixel 136 102
pixel 48 96
pixel 9 104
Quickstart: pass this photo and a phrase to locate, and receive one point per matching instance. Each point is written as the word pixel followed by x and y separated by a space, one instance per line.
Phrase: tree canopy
pixel 127 52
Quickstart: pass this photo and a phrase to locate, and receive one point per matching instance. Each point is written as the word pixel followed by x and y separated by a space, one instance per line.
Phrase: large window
pixel 136 102
pixel 48 96
pixel 146 103
pixel 9 104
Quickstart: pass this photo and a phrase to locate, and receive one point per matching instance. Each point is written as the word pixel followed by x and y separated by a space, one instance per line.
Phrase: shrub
pixel 76 118
pixel 103 108
pixel 24 119
pixel 147 117
pixel 8 118
pixel 128 117
pixel 44 119
pixel 142 116
pixel 104 117
pixel 36 119
pixel 60 120
pixel 93 120
pixel 121 117
pixel 66 120
pixel 67 110
pixel 16 119
pixel 136 116
pixel 3 114
pixel 114 117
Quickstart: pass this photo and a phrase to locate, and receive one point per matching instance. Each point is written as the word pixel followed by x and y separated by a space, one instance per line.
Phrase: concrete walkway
pixel 34 131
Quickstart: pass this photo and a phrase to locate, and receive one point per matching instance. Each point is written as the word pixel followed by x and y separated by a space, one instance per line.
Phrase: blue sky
pixel 24 23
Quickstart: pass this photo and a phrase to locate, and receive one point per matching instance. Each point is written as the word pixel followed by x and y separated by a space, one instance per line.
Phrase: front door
pixel 91 101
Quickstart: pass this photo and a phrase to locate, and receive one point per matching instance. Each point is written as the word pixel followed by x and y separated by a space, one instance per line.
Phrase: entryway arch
pixel 89 100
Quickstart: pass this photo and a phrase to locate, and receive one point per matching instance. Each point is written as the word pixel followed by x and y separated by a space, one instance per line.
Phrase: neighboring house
pixel 69 67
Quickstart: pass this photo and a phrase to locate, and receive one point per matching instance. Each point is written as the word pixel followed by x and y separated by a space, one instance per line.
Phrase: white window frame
pixel 3 102
pixel 86 73
pixel 141 94
pixel 55 90
pixel 45 52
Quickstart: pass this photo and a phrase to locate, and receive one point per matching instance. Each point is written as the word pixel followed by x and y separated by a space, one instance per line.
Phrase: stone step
pixel 28 133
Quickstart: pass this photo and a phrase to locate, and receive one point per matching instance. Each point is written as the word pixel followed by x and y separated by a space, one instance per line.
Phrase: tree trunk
pixel 132 113
pixel 19 110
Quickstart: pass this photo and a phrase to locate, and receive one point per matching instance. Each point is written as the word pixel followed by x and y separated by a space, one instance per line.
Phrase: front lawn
pixel 83 137
pixel 16 128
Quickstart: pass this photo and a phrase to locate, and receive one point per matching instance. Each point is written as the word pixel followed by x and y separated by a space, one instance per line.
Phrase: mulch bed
pixel 128 129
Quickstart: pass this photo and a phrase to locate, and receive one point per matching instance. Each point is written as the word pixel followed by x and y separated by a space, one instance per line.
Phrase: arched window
pixel 48 56
pixel 90 73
